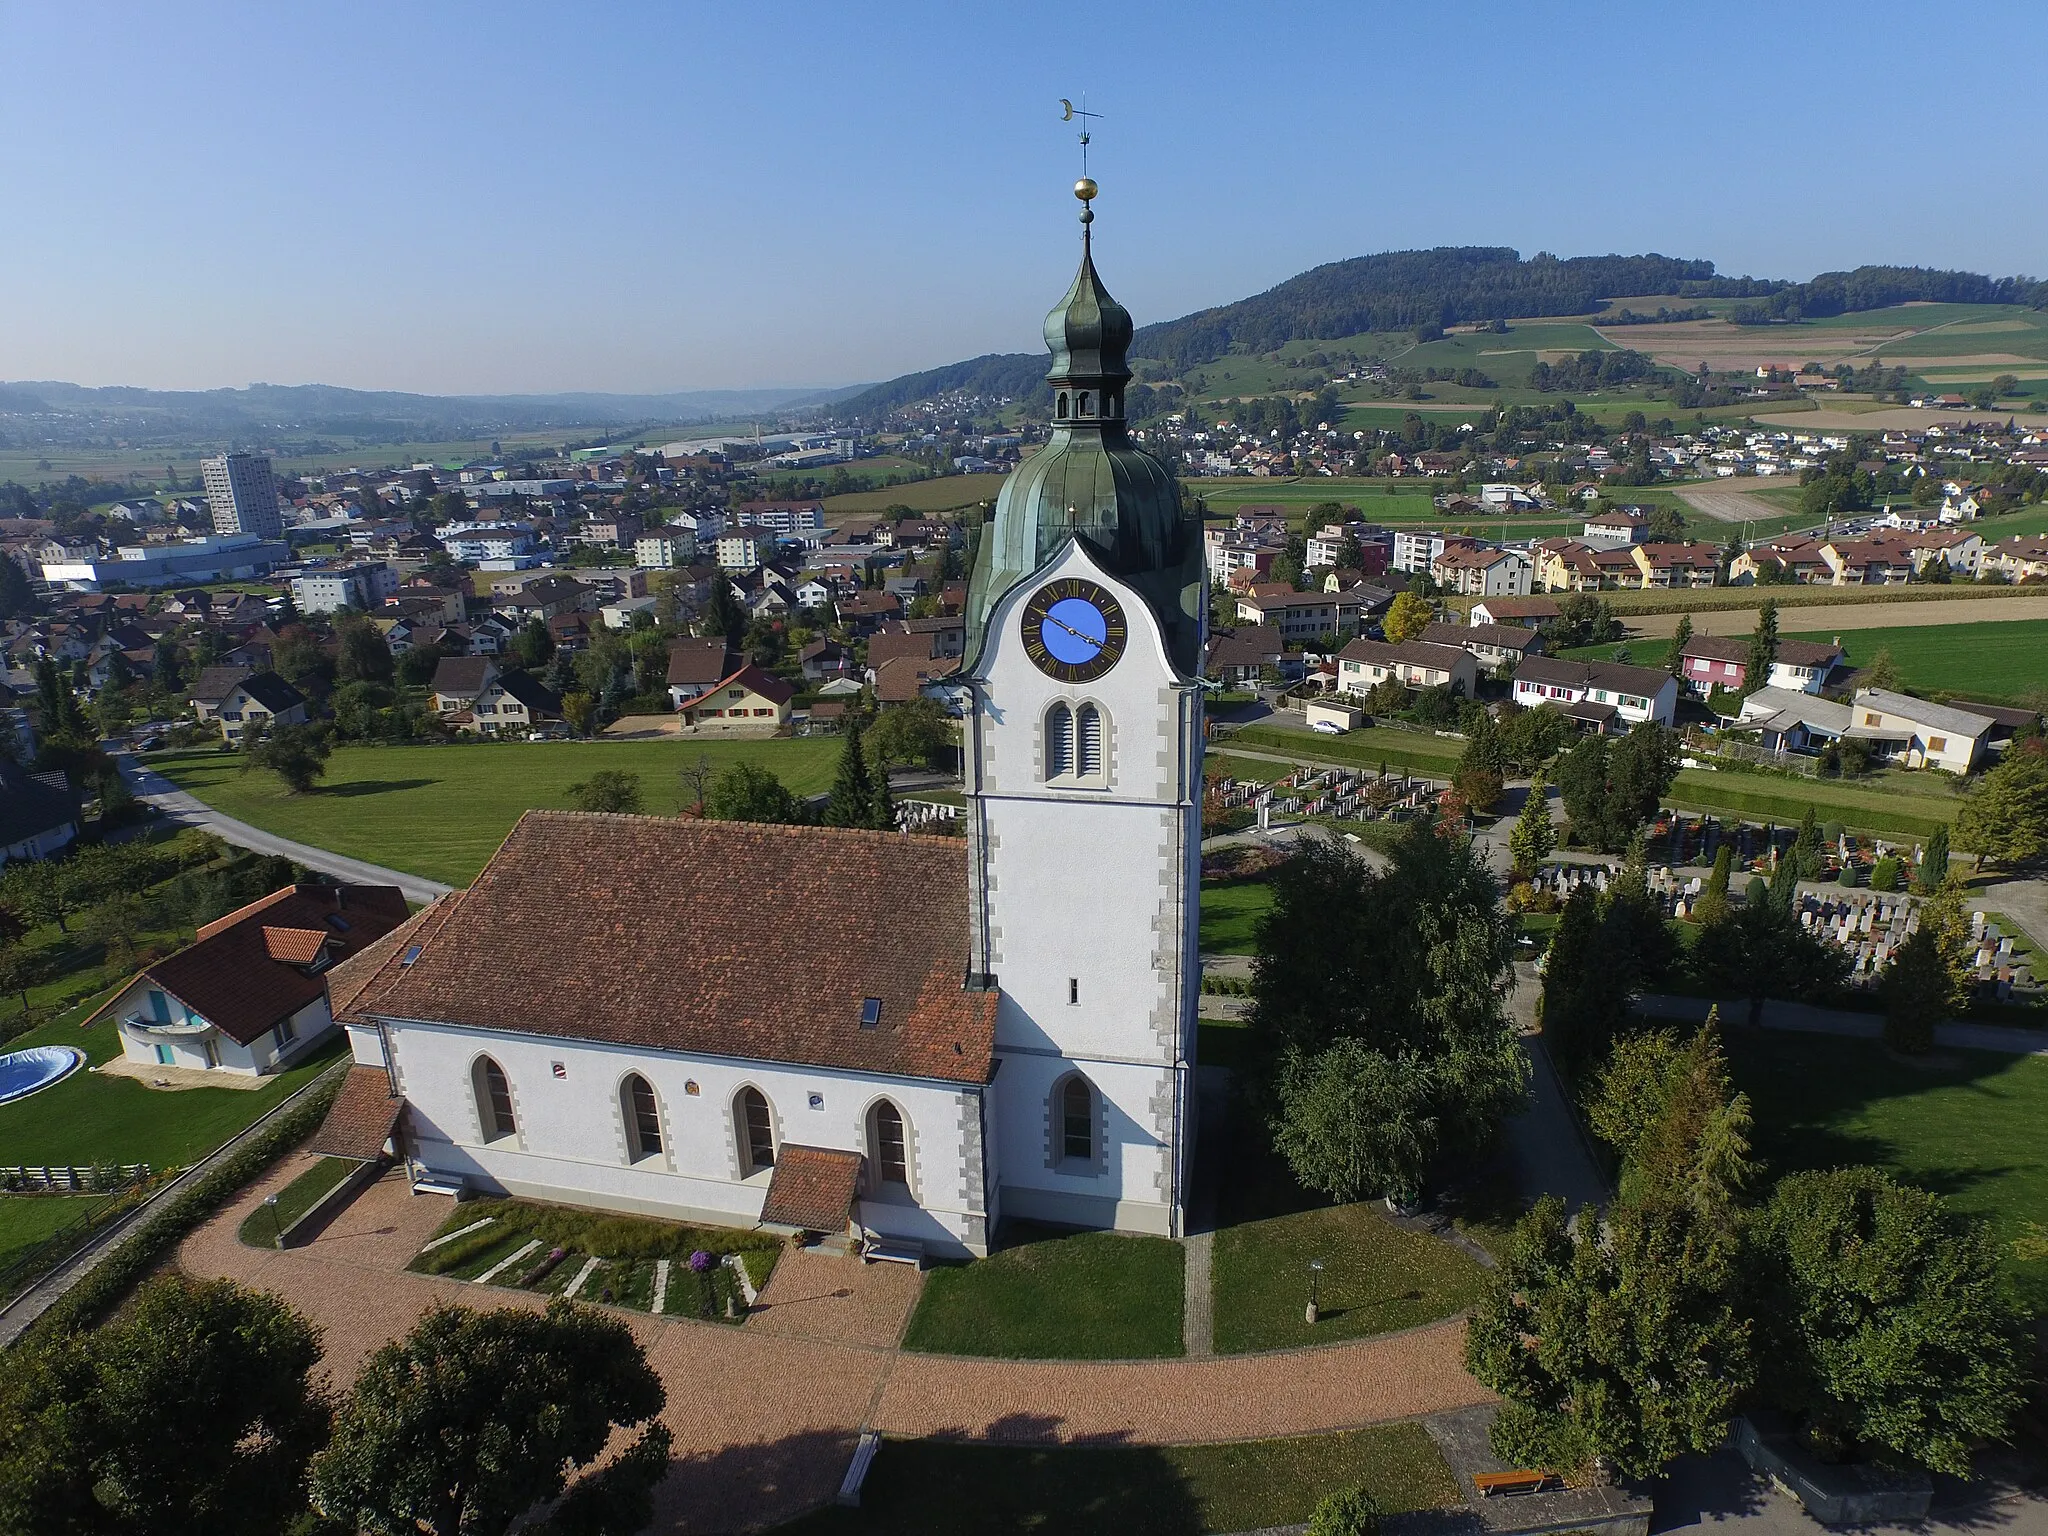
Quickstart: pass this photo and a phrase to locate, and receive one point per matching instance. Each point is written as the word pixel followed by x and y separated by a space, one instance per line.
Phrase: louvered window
pixel 1088 731
pixel 1059 741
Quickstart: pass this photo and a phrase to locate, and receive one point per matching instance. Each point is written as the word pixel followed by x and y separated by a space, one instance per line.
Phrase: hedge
pixel 103 1288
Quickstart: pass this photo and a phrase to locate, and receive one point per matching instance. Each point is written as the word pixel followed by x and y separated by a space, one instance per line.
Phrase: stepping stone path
pixel 660 1286
pixel 505 1263
pixel 582 1276
pixel 449 1237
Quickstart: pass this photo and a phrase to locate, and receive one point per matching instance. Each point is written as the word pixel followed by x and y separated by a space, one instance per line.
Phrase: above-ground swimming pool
pixel 23 1072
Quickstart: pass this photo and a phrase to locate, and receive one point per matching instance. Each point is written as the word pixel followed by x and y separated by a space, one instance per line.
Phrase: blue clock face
pixel 1074 630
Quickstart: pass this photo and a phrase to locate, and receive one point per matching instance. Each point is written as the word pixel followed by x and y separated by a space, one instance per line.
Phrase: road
pixel 153 788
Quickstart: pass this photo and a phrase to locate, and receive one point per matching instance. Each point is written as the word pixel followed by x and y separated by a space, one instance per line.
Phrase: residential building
pixel 665 550
pixel 1790 720
pixel 697 665
pixel 211 690
pixel 1693 563
pixel 1601 695
pixel 474 696
pixel 1900 728
pixel 1300 616
pixel 363 586
pixel 1491 645
pixel 1615 527
pixel 1472 570
pixel 1364 664
pixel 739 550
pixel 1528 612
pixel 249 995
pixel 38 811
pixel 241 494
pixel 1722 661
pixel 747 699
pixel 261 699
pixel 1242 658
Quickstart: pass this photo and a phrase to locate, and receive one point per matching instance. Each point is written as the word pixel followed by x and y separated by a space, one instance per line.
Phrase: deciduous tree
pixel 749 792
pixel 2006 821
pixel 608 790
pixel 1407 618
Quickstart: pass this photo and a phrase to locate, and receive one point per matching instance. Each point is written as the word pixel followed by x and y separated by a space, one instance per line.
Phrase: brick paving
pixel 765 1415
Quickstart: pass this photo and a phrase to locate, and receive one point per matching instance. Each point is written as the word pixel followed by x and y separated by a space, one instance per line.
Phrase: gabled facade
pixel 1601 695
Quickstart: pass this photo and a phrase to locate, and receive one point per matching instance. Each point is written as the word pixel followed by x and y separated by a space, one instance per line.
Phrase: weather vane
pixel 1084 189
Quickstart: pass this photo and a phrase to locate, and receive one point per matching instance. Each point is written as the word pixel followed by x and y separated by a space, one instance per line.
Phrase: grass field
pixel 1366 748
pixel 922 1486
pixel 26 1220
pixel 89 1118
pixel 1231 910
pixel 1056 1296
pixel 1885 808
pixel 1986 661
pixel 442 811
pixel 260 1228
pixel 1965 1124
pixel 1717 599
pixel 940 495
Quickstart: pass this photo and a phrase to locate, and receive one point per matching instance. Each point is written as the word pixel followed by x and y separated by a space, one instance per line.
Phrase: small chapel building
pixel 910 1037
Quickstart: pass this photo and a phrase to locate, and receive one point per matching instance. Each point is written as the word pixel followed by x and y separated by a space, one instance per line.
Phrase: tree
pixel 17 598
pixel 1884 1320
pixel 1934 861
pixel 1929 975
pixel 1533 837
pixel 722 614
pixel 1612 788
pixel 1883 672
pixel 1384 989
pixel 1713 906
pixel 1763 649
pixel 608 790
pixel 191 1414
pixel 1674 659
pixel 22 968
pixel 749 792
pixel 362 653
pixel 1667 1108
pixel 295 753
pixel 299 658
pixel 113 925
pixel 1407 618
pixel 853 791
pixel 534 645
pixel 36 889
pixel 695 778
pixel 474 1418
pixel 917 731
pixel 2006 821
pixel 580 710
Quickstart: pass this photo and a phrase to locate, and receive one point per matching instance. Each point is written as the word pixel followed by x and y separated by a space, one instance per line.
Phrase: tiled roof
pixel 1614 676
pixel 33 803
pixel 733 939
pixel 1792 653
pixel 811 1188
pixel 457 676
pixel 363 972
pixel 1417 653
pixel 216 683
pixel 229 974
pixel 272 692
pixel 698 663
pixel 362 1117
pixel 1506 637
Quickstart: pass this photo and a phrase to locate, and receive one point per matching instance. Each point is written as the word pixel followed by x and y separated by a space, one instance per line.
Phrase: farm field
pixel 442 811
pixel 1990 661
pixel 1964 1124
pixel 940 495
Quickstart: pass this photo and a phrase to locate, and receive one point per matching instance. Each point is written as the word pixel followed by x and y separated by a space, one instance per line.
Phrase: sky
pixel 512 198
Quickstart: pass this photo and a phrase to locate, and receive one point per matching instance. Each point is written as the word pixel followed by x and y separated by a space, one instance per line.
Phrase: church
pixel 900 1038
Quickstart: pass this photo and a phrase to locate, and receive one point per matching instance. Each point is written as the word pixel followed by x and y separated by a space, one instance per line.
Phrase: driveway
pixel 154 789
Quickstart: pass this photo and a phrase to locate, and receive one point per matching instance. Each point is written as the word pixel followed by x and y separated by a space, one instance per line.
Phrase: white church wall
pixel 1130 1182
pixel 571 1142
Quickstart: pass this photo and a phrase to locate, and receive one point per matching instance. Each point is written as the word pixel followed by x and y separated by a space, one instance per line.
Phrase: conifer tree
pixel 853 791
pixel 1533 837
pixel 1933 863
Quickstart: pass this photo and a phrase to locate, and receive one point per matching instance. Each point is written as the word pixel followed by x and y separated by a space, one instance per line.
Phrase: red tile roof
pixel 733 939
pixel 812 1188
pixel 362 1118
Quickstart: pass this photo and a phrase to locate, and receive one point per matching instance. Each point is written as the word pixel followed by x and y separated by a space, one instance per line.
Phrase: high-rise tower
pixel 242 496
pixel 1084 772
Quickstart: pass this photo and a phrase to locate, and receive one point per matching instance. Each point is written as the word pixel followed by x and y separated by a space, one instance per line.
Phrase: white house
pixel 249 994
pixel 1603 695
pixel 1903 729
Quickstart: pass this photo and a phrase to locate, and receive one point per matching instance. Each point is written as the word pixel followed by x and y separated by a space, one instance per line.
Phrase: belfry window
pixel 888 1145
pixel 1088 741
pixel 1059 742
pixel 1063 405
pixel 1084 402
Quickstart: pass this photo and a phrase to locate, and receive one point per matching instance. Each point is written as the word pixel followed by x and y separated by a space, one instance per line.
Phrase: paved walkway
pixel 1548 1148
pixel 765 1415
pixel 153 787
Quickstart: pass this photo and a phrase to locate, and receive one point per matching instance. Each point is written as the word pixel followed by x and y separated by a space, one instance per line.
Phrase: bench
pixel 883 1250
pixel 1492 1483
pixel 857 1470
pixel 451 1185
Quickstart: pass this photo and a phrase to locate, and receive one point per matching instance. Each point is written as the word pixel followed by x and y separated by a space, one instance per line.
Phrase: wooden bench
pixel 884 1250
pixel 857 1470
pixel 1492 1483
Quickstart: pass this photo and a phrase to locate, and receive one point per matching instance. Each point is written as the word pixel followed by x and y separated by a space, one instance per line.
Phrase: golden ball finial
pixel 1084 189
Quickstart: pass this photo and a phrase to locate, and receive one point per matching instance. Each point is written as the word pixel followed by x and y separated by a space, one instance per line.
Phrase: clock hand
pixel 1084 639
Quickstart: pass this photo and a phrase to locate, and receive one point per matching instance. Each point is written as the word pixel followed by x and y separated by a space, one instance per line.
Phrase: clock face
pixel 1073 630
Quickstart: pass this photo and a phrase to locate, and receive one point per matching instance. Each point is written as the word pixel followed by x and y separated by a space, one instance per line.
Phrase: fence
pixel 1699 744
pixel 72 1180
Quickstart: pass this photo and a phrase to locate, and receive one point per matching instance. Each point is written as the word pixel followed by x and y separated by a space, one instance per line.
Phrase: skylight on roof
pixel 412 953
pixel 870 1012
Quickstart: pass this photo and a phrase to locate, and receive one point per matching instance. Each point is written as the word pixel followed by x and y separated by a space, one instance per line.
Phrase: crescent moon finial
pixel 1067 110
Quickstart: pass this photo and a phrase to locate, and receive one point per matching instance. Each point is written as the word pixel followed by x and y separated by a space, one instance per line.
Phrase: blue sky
pixel 515 197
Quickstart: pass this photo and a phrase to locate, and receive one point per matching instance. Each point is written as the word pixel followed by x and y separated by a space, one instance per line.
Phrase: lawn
pixel 1966 1124
pixel 441 811
pixel 261 1226
pixel 1366 748
pixel 1885 808
pixel 920 1486
pixel 1056 1296
pixel 1231 910
pixel 26 1220
pixel 89 1118
pixel 1987 661
pixel 940 495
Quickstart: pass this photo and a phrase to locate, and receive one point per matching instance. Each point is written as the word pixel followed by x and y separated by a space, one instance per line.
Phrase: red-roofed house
pixel 746 700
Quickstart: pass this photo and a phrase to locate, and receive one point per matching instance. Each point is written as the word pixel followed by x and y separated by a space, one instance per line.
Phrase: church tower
pixel 1084 777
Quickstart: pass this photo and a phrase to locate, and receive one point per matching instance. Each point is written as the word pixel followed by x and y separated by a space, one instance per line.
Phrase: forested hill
pixel 1399 290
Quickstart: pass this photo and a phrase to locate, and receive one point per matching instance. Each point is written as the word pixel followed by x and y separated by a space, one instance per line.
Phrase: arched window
pixel 1077 1121
pixel 1116 404
pixel 643 1118
pixel 1063 405
pixel 888 1146
pixel 1084 402
pixel 493 1100
pixel 757 1130
pixel 1059 741
pixel 1088 741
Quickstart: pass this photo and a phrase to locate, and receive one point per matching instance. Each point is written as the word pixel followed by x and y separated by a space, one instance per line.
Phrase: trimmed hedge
pixel 109 1282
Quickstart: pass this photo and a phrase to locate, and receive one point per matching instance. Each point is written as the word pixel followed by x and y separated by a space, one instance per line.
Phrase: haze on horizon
pixel 517 198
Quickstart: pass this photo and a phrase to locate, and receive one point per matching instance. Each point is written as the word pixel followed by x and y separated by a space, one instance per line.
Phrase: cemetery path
pixel 765 1416
pixel 1549 1150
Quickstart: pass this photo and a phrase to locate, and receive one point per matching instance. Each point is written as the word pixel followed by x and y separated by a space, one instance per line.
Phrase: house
pixel 748 699
pixel 1363 664
pixel 249 995
pixel 1241 658
pixel 211 689
pixel 261 699
pixel 474 696
pixel 1300 616
pixel 1792 720
pixel 1916 733
pixel 362 586
pixel 905 656
pixel 695 666
pixel 1693 563
pixel 1722 661
pixel 1490 644
pixel 1601 695
pixel 1471 570
pixel 1528 612
pixel 1615 527
pixel 2022 557
pixel 38 812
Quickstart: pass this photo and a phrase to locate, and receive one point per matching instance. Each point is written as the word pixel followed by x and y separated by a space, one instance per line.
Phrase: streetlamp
pixel 1315 1290
pixel 276 1227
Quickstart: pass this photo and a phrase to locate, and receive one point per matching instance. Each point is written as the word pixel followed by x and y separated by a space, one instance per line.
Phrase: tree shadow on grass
pixel 358 787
